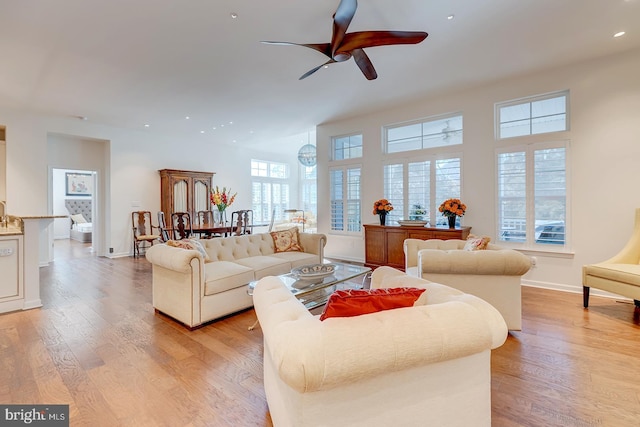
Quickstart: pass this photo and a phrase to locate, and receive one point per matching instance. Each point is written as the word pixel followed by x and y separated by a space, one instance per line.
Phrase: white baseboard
pixel 572 289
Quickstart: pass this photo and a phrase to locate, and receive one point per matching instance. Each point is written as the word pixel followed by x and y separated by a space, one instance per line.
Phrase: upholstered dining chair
pixel 241 222
pixel 143 231
pixel 181 225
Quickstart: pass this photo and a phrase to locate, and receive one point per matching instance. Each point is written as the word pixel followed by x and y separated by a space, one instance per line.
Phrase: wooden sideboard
pixel 384 244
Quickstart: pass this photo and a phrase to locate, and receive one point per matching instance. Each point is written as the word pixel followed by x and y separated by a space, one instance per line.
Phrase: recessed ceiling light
pixel 230 123
pixel 201 131
pixel 146 125
pixel 187 117
pixel 234 15
pixel 221 126
pixel 619 34
pixel 214 128
pixel 326 66
pixel 450 17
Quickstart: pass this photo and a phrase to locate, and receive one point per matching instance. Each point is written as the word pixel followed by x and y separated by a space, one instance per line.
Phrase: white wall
pixel 128 162
pixel 604 168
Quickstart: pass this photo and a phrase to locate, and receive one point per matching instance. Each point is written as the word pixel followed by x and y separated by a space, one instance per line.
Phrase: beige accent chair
pixel 492 274
pixel 620 274
pixel 426 365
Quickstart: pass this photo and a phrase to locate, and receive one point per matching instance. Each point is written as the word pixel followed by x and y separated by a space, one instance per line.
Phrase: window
pixel 416 186
pixel 347 147
pixel 531 116
pixel 345 199
pixel 532 194
pixel 309 192
pixel 436 132
pixel 269 190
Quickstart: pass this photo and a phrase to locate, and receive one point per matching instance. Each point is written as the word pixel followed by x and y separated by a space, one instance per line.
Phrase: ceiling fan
pixel 345 45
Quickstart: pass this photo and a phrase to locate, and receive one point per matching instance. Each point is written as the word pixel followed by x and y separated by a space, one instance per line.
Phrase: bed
pixel 80 215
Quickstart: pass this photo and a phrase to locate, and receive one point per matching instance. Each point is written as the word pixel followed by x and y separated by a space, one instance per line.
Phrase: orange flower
pixel 382 206
pixel 452 207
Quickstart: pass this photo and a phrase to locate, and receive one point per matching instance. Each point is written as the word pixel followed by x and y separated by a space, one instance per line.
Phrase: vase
pixel 452 221
pixel 383 218
pixel 221 217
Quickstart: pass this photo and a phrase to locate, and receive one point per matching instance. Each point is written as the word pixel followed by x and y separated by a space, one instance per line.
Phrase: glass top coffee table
pixel 315 292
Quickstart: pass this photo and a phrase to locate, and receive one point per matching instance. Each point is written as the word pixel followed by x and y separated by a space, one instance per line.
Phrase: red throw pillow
pixel 355 302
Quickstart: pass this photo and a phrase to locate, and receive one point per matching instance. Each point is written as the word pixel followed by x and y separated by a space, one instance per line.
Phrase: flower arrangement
pixel 382 206
pixel 452 208
pixel 222 199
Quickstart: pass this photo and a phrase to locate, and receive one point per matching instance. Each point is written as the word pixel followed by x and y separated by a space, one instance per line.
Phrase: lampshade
pixel 307 155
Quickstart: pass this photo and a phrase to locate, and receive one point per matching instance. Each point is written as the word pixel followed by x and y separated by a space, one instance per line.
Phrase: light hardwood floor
pixel 98 346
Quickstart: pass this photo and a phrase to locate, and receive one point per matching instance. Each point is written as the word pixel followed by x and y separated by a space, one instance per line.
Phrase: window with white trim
pixel 417 187
pixel 345 199
pixel 269 190
pixel 309 192
pixel 533 194
pixel 346 147
pixel 434 132
pixel 532 115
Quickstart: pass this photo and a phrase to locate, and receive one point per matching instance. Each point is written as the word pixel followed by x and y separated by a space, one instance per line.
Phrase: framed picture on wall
pixel 79 184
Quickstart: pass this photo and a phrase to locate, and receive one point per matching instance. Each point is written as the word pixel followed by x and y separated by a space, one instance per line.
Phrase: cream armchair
pixel 492 274
pixel 427 365
pixel 620 274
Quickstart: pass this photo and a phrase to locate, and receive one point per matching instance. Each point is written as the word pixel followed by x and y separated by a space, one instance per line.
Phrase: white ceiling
pixel 128 63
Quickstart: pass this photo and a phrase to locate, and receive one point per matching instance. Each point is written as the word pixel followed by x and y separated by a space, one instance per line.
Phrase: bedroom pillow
pixel 286 240
pixel 355 302
pixel 190 244
pixel 78 219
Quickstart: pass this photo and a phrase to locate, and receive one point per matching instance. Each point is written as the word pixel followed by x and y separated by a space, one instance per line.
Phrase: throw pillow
pixel 355 302
pixel 286 240
pixel 78 219
pixel 475 243
pixel 190 244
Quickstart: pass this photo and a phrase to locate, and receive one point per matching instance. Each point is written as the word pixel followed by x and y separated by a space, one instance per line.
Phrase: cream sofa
pixel 492 274
pixel 193 291
pixel 427 365
pixel 619 274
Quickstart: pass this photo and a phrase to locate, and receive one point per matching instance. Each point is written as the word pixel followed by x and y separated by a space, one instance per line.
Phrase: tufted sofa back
pixel 237 247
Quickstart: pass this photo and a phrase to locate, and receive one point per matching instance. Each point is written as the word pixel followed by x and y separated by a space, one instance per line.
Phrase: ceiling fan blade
pixel 364 63
pixel 341 20
pixel 323 48
pixel 363 39
pixel 308 73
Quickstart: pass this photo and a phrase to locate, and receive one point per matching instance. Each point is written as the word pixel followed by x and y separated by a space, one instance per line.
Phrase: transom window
pixel 533 115
pixel 347 147
pixel 434 132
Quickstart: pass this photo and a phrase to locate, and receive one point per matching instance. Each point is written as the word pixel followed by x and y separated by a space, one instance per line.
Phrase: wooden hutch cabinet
pixel 384 244
pixel 184 191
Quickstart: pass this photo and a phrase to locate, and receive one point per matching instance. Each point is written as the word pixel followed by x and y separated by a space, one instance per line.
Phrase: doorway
pixel 73 194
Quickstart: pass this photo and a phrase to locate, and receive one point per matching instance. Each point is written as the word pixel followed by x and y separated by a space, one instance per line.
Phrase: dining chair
pixel 205 218
pixel 181 225
pixel 143 231
pixel 241 222
pixel 162 225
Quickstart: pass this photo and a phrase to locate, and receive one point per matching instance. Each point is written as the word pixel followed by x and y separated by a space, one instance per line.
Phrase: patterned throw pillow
pixel 286 240
pixel 193 245
pixel 355 302
pixel 475 243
